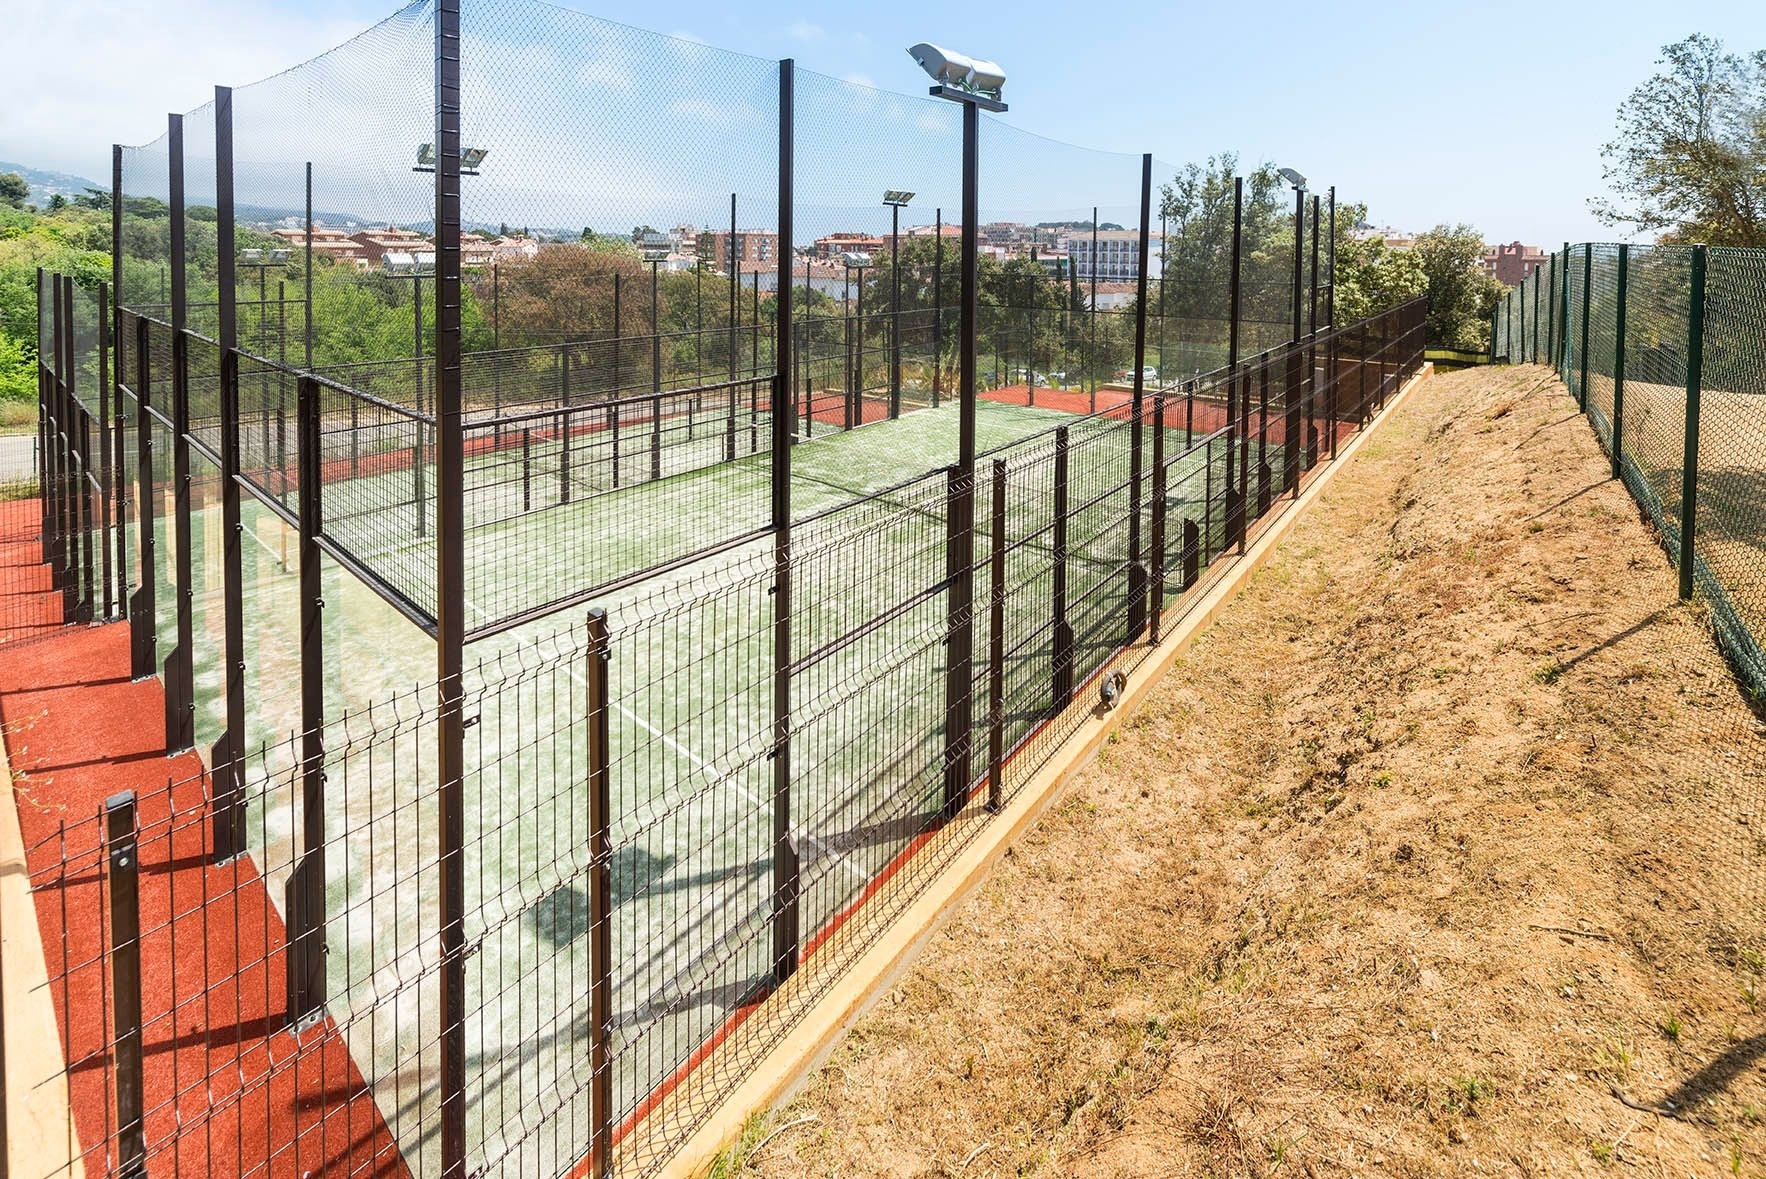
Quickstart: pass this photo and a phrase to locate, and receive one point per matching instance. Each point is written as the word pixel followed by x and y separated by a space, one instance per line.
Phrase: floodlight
pixel 1292 177
pixel 278 257
pixel 941 64
pixel 470 159
pixel 655 253
pixel 968 74
pixel 855 258
pixel 251 257
pixel 897 197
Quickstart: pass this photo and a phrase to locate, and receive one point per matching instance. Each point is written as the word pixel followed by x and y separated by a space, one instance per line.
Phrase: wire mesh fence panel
pixel 1730 541
pixel 1657 313
pixel 1603 322
pixel 826 649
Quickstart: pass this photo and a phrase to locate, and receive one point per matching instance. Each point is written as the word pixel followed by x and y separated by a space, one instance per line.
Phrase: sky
pixel 1488 114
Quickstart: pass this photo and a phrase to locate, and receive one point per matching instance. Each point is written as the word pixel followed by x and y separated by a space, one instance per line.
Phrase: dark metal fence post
pixel 118 417
pixel 180 701
pixel 450 593
pixel 1192 552
pixel 226 757
pixel 1619 360
pixel 1551 305
pixel 783 407
pixel 102 394
pixel 1137 563
pixel 1156 575
pixel 563 430
pixel 143 638
pixel 306 884
pixel 600 898
pixel 1062 629
pixel 122 856
pixel 1689 462
pixel 996 642
pixel 1561 361
pixel 1587 302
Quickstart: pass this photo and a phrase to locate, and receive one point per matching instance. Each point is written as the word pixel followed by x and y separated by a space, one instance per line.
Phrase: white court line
pixel 710 770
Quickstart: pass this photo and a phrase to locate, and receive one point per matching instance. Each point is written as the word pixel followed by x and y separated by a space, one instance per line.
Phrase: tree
pixel 57 203
pixel 1461 294
pixel 14 190
pixel 1688 157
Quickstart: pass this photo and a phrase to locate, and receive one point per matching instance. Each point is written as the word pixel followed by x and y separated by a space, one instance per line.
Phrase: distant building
pixel 748 249
pixel 1118 257
pixel 376 243
pixel 1513 263
pixel 830 248
pixel 327 243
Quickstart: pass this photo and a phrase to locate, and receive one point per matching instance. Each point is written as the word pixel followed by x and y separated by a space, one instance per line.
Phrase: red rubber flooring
pixel 229 1089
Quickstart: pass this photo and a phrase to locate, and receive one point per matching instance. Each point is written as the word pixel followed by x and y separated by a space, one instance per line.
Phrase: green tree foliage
pixel 1372 276
pixel 13 190
pixel 1688 156
pixel 1461 295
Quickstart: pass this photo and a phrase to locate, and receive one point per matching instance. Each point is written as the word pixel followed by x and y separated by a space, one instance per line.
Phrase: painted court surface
pixel 691 682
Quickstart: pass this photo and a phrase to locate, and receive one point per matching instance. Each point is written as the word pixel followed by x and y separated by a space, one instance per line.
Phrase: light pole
pixel 895 199
pixel 655 258
pixel 855 354
pixel 1299 184
pixel 977 86
pixel 263 261
pixel 1292 395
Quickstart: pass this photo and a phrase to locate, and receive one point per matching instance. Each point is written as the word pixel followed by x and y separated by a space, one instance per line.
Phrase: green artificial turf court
pixel 691 728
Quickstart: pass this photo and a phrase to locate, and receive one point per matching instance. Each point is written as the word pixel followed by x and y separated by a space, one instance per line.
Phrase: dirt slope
pixel 1430 857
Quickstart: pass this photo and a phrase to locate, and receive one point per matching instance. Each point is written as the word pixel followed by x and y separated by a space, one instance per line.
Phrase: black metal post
pixel 601 1117
pixel 225 760
pixel 102 393
pixel 960 533
pixel 122 859
pixel 1310 455
pixel 996 642
pixel 306 884
pixel 180 701
pixel 1061 679
pixel 1137 564
pixel 451 592
pixel 307 273
pixel 1619 361
pixel 1587 302
pixel 143 637
pixel 1235 507
pixel 894 311
pixel 419 493
pixel 1091 318
pixel 938 306
pixel 786 870
pixel 1689 461
pixel 1156 577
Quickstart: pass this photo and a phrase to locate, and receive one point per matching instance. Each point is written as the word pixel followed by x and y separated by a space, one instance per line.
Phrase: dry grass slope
pixel 1434 856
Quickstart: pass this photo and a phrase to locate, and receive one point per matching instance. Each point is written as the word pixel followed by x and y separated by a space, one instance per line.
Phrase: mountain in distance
pixel 45 184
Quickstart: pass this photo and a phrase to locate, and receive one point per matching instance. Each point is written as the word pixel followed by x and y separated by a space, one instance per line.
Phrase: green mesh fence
pixel 1670 371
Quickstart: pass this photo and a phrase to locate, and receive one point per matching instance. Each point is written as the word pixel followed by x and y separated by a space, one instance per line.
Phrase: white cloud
pixel 605 73
pixel 804 30
pixel 83 74
pixel 859 80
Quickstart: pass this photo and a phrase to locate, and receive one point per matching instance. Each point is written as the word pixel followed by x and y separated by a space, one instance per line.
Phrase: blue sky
pixel 1491 114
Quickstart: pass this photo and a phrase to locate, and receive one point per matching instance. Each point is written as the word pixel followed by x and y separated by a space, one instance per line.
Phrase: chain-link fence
pixel 397 390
